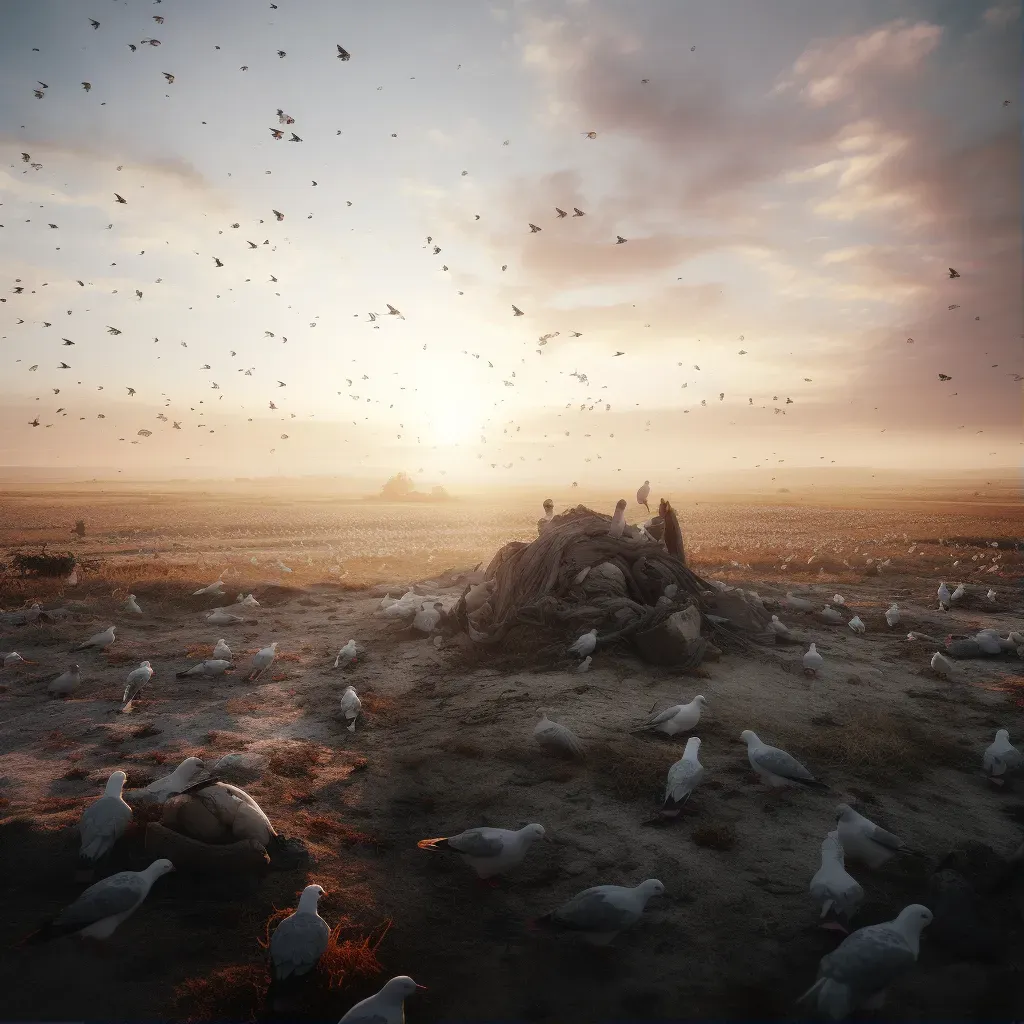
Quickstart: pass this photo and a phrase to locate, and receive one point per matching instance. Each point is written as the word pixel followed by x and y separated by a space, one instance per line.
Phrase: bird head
pixel 748 736
pixel 652 887
pixel 844 812
pixel 401 987
pixel 699 699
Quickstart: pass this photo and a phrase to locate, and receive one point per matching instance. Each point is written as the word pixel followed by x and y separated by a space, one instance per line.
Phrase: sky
pixel 792 181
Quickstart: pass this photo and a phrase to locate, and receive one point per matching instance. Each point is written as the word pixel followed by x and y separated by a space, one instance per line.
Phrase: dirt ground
pixel 445 744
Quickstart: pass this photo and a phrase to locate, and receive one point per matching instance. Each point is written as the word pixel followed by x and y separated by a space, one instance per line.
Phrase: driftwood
pixel 186 854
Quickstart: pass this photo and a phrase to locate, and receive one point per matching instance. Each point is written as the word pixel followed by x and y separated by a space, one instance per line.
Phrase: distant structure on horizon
pixel 400 487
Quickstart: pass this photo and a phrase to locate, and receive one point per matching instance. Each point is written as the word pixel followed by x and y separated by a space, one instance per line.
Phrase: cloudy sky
pixel 793 180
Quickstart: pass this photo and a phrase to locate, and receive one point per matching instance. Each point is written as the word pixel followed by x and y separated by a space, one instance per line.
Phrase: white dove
pixel 136 680
pixel 857 624
pixel 833 888
pixel 779 628
pixel 346 655
pixel 813 661
pixel 958 593
pixel 892 615
pixel 351 705
pixel 131 605
pixel 103 822
pixel 944 596
pixel 943 666
pixel 221 650
pixel 678 718
pixel 219 617
pixel 585 645
pixel 865 841
pixel 101 641
pixel 210 667
pixel 386 1007
pixel 216 589
pixel 1001 756
pixel 556 738
pixel 643 493
pixel 683 778
pixel 262 660
pixel 584 665
pixel 488 851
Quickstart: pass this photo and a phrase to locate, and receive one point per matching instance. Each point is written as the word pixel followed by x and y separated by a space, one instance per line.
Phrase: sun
pixel 452 424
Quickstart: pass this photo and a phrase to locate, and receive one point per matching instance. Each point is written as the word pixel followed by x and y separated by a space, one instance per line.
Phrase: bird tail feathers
pixel 829 997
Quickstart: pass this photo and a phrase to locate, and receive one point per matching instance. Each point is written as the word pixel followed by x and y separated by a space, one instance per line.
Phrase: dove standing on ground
pixel 857 624
pixel 618 523
pixel 863 840
pixel 943 666
pixel 642 494
pixel 857 973
pixel 780 628
pixel 131 605
pixel 838 893
pixel 215 589
pixel 219 617
pixel 829 614
pixel 556 738
pixel 584 665
pixel 676 719
pixel 1001 758
pixel 12 659
pixel 101 641
pixel 247 601
pixel 775 766
pixel 104 905
pixel 346 655
pixel 350 707
pixel 210 667
pixel 386 1007
pixel 136 680
pixel 598 914
pixel 797 604
pixel 67 682
pixel 944 596
pixel 813 661
pixel 300 939
pixel 838 600
pixel 103 822
pixel 429 616
pixel 262 660
pixel 892 615
pixel 958 593
pixel 683 778
pixel 181 778
pixel 991 595
pixel 586 644
pixel 222 651
pixel 489 851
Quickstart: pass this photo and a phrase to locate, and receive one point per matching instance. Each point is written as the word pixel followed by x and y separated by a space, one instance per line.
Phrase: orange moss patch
pixel 228 993
pixel 323 826
pixel 56 740
pixel 298 760
pixel 383 708
pixel 243 706
pixel 290 657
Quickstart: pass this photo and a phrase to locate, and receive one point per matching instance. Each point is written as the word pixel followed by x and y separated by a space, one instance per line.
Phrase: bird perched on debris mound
pixel 673 534
pixel 643 493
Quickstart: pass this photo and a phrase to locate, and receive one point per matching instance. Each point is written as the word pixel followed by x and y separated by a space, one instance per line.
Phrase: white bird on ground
pixel 219 617
pixel 556 738
pixel 618 523
pixel 247 601
pixel 262 660
pixel 779 628
pixel 1001 757
pixel 210 667
pixel 642 494
pixel 105 904
pixel 598 914
pixel 797 604
pixel 67 682
pixel 829 614
pixel 221 650
pixel 958 593
pixel 991 595
pixel 676 719
pixel 838 599
pixel 429 616
pixel 101 641
pixel 892 615
pixel 833 888
pixel 346 655
pixel 856 974
pixel 813 661
pixel 990 642
pixel 857 624
pixel 943 666
pixel 585 645
pixel 944 596
pixel 131 605
pixel 351 705
pixel 584 665
pixel 549 514
pixel 103 822
pixel 282 566
pixel 386 1007
pixel 775 766
pixel 216 589
pixel 865 841
pixel 137 679
pixel 170 785
pixel 683 778
pixel 300 939
pixel 12 659
pixel 489 851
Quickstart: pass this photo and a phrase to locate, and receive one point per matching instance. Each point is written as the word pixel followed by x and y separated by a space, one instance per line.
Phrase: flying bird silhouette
pixel 119 198
pixel 343 54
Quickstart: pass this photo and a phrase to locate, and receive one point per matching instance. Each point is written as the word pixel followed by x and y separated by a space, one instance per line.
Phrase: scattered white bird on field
pixel 219 617
pixel 838 599
pixel 797 604
pixel 67 682
pixel 300 939
pixel 137 679
pixel 131 605
pixel 598 914
pixel 775 766
pixel 215 589
pixel 865 841
pixel 892 615
pixel 584 665
pixel 779 628
pixel 586 644
pixel 991 595
pixel 556 738
pixel 829 614
pixel 103 822
pixel 346 655
pixel 813 661
pixel 943 666
pixel 958 593
pixel 12 659
pixel 990 642
pixel 489 851
pixel 210 667
pixel 683 778
pixel 857 624
pixel 404 608
pixel 221 650
pixel 262 660
pixel 101 641
pixel 834 890
pixel 105 904
pixel 386 1007
pixel 1001 758
pixel 181 778
pixel 351 705
pixel 676 719
pixel 856 974
pixel 944 596
pixel 429 617
pixel 247 601
pixel 642 494
pixel 618 523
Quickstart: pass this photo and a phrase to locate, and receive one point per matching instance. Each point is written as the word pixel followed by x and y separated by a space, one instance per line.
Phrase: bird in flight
pixel 95 24
pixel 281 384
pixel 577 212
pixel 169 77
pixel 278 215
pixel 113 330
pixel 534 229
pixel 953 273
pixel 217 262
pixel 87 86
pixel 120 199
pixel 619 240
pixel 589 135
pixel 131 391
pixel 343 54
pixel 517 311
pixel 394 312
pixel 561 213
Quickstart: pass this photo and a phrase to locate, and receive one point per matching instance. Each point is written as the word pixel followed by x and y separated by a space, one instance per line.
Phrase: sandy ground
pixel 445 744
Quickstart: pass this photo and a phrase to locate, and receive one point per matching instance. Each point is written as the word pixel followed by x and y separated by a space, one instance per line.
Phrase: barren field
pixel 444 744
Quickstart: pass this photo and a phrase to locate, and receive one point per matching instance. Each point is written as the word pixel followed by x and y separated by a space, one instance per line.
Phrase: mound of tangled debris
pixel 578 576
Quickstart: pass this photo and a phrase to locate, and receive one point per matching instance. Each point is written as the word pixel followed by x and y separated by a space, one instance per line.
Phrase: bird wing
pixel 555 735
pixel 883 838
pixel 478 842
pixel 683 778
pixel 366 1015
pixel 114 895
pixel 103 822
pixel 868 960
pixel 779 763
pixel 665 715
pixel 298 943
pixel 593 910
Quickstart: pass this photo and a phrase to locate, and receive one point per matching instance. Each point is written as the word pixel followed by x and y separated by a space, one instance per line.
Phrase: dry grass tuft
pixel 56 740
pixel 74 774
pixel 227 993
pixel 324 826
pixel 244 706
pixel 298 760
pixel 630 769
pixel 714 836
pixel 143 732
pixel 382 709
